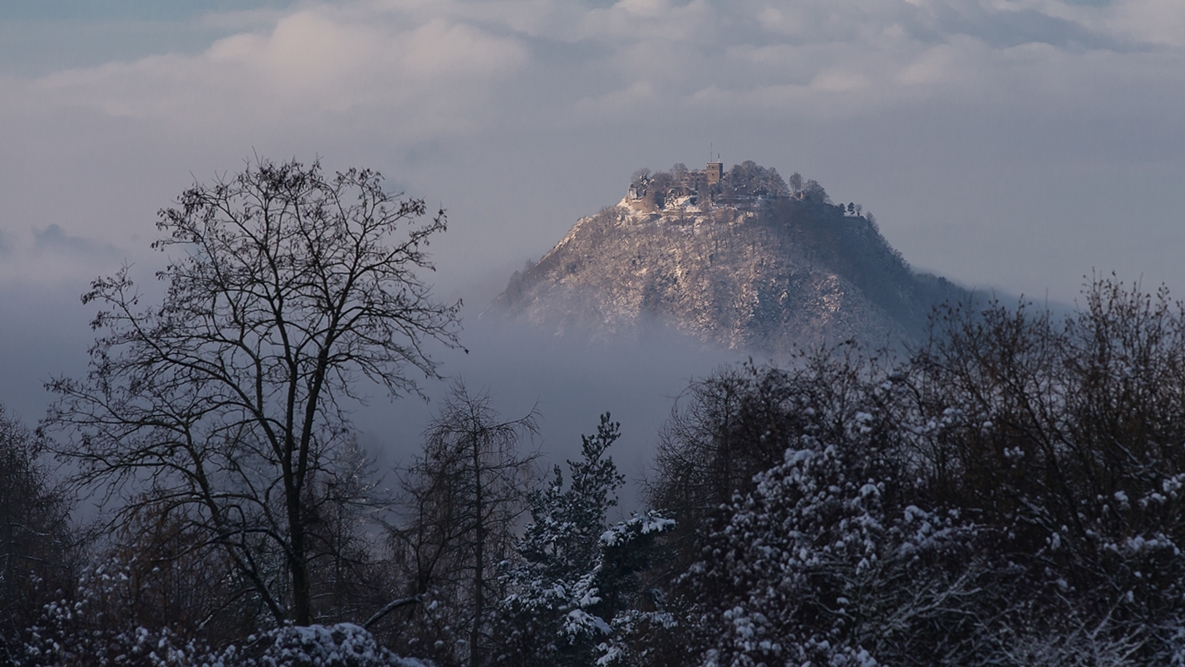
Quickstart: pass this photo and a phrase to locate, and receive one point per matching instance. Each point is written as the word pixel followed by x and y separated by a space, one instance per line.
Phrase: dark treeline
pixel 1009 492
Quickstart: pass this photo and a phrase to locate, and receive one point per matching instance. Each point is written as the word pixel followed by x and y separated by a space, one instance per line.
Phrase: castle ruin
pixel 744 185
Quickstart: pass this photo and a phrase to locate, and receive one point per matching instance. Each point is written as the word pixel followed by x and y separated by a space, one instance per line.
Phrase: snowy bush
pixel 90 626
pixel 36 547
pixel 341 645
pixel 828 562
pixel 95 626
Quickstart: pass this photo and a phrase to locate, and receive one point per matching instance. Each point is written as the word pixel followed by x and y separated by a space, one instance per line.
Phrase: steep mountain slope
pixel 768 273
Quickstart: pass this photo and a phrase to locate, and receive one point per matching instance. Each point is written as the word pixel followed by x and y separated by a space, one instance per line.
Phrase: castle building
pixel 693 183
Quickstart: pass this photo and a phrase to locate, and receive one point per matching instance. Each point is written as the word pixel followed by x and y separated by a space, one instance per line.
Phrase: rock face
pixel 773 275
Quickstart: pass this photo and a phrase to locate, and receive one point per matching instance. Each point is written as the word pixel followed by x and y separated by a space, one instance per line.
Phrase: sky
pixel 1017 145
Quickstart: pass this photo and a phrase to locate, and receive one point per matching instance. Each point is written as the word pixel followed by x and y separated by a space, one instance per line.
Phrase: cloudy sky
pixel 1017 144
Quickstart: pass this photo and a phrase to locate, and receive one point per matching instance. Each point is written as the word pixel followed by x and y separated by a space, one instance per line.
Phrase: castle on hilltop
pixel 744 185
pixel 679 182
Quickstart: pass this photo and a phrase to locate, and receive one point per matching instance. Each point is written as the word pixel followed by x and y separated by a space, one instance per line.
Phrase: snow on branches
pixel 576 591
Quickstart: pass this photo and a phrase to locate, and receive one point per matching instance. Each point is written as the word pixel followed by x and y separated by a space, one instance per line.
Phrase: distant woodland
pixel 1010 491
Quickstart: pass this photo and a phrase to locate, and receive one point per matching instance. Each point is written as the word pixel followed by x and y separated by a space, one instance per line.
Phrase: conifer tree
pixel 574 591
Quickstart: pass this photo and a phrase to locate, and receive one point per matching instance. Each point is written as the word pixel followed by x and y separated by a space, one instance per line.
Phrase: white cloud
pixel 1159 22
pixel 632 100
pixel 650 20
pixel 434 68
pixel 839 81
pixel 308 64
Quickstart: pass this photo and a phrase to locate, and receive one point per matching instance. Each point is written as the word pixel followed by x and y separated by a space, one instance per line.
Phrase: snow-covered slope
pixel 775 275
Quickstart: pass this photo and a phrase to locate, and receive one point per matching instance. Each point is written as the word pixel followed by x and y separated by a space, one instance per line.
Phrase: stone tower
pixel 715 171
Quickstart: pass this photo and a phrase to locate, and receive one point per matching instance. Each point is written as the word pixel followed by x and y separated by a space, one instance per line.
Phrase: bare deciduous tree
pixel 462 498
pixel 223 402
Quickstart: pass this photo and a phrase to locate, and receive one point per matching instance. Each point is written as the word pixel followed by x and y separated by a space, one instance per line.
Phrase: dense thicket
pixel 36 542
pixel 1011 495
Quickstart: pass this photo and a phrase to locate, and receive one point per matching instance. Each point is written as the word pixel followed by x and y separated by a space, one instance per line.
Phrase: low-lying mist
pixel 570 380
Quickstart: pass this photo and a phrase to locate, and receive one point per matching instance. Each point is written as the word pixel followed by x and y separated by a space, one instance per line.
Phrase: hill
pixel 736 258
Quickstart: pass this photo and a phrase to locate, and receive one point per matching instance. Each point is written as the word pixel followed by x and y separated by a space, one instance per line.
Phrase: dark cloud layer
pixel 54 239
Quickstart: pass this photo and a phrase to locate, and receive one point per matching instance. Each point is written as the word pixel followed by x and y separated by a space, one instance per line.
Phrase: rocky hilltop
pixel 737 257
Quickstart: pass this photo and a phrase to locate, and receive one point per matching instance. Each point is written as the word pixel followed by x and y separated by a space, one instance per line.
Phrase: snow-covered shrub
pixel 90 625
pixel 829 561
pixel 1067 438
pixel 341 645
pixel 91 630
pixel 737 423
pixel 95 628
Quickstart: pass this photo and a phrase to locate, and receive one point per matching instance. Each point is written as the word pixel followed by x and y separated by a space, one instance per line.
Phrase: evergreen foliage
pixel 576 589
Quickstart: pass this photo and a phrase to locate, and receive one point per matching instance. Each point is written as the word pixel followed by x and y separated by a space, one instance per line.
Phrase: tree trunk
pixel 302 612
pixel 302 603
pixel 479 558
